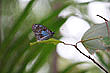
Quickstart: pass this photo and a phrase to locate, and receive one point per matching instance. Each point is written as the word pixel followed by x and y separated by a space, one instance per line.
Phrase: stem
pixel 107 28
pixel 54 63
pixel 82 41
pixel 106 24
pixel 101 67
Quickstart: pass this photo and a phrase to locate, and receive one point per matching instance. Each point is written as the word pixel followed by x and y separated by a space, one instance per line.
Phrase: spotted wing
pixel 41 32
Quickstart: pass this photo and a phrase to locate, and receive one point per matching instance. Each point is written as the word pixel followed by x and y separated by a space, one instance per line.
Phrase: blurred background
pixel 71 20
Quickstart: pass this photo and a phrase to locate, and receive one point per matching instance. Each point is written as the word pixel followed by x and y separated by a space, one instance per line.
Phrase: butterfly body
pixel 41 32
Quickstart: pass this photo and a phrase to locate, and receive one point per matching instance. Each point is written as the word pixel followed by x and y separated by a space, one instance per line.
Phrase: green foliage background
pixel 16 35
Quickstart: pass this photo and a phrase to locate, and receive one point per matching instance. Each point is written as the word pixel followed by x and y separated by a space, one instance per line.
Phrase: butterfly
pixel 41 32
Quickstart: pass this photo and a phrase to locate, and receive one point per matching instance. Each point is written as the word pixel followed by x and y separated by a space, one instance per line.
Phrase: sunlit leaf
pixel 95 31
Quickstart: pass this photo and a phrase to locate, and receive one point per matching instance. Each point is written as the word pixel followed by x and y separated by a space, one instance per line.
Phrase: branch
pixel 103 18
pixel 101 67
pixel 54 41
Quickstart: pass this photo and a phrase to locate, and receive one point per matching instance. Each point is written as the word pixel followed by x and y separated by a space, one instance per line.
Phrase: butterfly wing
pixel 41 32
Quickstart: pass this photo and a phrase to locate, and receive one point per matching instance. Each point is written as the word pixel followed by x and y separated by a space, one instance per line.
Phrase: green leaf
pixel 71 67
pixel 47 49
pixel 101 57
pixel 17 25
pixel 29 56
pixel 16 52
pixel 106 41
pixel 96 31
pixel 52 40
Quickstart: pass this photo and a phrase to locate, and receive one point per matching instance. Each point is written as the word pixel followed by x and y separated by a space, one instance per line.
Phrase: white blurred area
pixel 74 27
pixel 100 8
pixel 70 52
pixel 83 1
pixel 72 31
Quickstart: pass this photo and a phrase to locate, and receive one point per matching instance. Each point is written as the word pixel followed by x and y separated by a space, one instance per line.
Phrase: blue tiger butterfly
pixel 41 32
